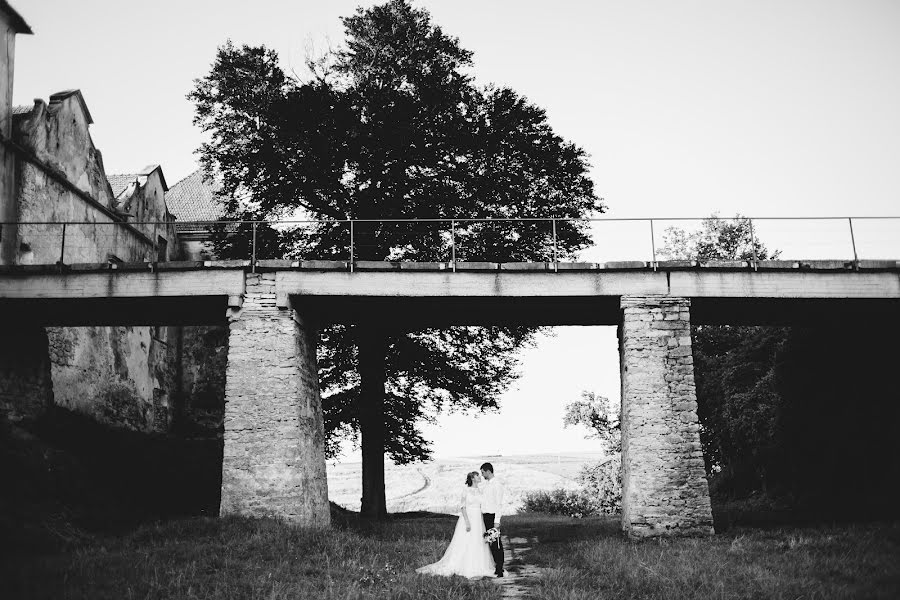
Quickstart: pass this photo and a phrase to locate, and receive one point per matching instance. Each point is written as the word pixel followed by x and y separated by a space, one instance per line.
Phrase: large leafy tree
pixel 392 126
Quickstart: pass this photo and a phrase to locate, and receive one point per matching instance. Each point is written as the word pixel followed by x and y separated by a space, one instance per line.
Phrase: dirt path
pixel 521 575
pixel 426 481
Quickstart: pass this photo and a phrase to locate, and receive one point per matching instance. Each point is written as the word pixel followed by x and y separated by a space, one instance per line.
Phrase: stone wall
pixel 274 457
pixel 664 487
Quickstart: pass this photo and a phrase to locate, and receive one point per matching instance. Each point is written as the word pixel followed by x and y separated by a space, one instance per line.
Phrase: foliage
pixel 602 482
pixel 391 125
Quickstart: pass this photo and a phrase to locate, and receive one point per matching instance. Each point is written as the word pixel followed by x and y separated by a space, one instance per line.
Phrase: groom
pixel 491 505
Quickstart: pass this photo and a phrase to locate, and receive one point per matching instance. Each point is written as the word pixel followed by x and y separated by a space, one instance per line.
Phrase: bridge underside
pixel 422 312
pixel 417 313
pixel 87 312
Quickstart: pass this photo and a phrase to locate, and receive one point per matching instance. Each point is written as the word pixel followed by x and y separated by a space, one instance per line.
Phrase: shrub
pixel 600 493
pixel 572 503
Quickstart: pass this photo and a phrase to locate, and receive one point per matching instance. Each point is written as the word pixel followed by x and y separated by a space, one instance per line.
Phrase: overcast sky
pixel 763 107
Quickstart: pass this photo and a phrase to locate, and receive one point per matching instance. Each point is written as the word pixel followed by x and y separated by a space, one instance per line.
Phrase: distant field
pixel 436 486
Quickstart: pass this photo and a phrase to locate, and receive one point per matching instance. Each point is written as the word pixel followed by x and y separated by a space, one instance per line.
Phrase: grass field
pixel 588 559
pixel 436 486
pixel 234 558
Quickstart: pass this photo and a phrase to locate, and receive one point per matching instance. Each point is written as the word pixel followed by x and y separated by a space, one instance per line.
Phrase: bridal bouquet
pixel 491 535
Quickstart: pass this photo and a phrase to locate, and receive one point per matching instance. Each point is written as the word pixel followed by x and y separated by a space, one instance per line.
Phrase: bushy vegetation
pixel 570 503
pixel 600 493
pixel 602 482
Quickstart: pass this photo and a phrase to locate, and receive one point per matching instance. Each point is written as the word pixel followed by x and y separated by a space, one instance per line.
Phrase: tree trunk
pixel 372 345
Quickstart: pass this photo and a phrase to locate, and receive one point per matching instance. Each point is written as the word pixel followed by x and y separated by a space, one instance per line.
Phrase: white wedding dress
pixel 468 554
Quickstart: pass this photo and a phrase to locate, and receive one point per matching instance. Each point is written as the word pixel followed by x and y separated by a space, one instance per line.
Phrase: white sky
pixel 763 107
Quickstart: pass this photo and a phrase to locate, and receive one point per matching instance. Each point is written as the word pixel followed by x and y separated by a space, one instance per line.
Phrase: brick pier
pixel 664 487
pixel 274 460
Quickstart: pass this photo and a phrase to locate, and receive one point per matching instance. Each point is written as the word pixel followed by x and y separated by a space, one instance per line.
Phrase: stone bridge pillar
pixel 664 487
pixel 274 456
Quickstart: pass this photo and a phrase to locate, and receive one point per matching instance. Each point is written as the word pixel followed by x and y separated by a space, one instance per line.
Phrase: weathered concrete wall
pixel 124 376
pixel 58 136
pixel 664 487
pixel 201 380
pixel 26 389
pixel 10 25
pixel 274 456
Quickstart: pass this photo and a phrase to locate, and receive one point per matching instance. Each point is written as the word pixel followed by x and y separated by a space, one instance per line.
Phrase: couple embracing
pixel 475 549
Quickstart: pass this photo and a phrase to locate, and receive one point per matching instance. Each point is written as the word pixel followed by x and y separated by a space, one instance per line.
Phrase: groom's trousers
pixel 496 547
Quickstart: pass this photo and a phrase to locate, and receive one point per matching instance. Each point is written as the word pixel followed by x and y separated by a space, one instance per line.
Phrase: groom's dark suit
pixel 496 547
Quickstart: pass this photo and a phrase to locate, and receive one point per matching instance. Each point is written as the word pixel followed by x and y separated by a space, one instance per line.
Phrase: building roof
pixel 120 182
pixel 23 109
pixel 149 170
pixel 193 199
pixel 18 23
pixel 60 96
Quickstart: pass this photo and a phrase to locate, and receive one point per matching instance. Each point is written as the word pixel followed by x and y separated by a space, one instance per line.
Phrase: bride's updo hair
pixel 470 478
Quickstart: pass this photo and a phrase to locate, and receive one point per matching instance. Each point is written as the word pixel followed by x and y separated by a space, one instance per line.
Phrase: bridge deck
pixel 434 294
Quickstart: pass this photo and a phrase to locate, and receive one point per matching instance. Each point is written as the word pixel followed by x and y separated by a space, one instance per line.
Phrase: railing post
pixel 253 251
pixel 853 242
pixel 62 248
pixel 351 245
pixel 753 246
pixel 555 253
pixel 453 244
pixel 653 244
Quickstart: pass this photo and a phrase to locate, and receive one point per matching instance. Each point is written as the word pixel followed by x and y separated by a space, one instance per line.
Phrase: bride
pixel 468 554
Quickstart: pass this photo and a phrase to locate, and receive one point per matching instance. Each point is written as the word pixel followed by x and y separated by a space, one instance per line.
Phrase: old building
pixel 59 206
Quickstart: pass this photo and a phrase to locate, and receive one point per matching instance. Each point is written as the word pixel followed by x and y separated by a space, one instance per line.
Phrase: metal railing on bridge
pixel 454 240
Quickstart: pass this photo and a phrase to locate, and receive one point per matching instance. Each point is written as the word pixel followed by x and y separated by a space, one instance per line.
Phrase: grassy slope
pixel 234 558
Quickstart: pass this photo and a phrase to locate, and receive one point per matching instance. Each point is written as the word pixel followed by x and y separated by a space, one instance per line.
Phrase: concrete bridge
pixel 274 453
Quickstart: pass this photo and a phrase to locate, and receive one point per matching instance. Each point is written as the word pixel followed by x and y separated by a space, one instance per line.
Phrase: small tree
pixel 717 239
pixel 602 481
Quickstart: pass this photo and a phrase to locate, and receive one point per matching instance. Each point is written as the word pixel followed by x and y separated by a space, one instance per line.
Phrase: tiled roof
pixel 23 109
pixel 193 199
pixel 119 182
